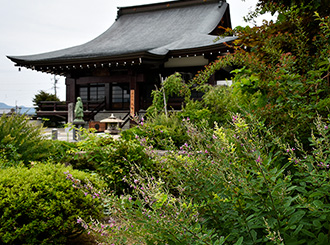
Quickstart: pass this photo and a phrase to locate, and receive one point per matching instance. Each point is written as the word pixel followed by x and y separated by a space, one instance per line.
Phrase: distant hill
pixel 4 108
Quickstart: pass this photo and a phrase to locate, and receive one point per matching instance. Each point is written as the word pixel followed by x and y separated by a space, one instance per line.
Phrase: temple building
pixel 116 71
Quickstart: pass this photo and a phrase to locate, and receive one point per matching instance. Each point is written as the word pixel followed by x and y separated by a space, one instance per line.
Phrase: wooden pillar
pixel 134 95
pixel 70 89
pixel 108 96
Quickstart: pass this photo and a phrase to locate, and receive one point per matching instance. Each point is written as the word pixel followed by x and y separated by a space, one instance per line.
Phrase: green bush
pixel 41 205
pixel 196 112
pixel 110 159
pixel 240 184
pixel 21 141
pixel 117 160
pixel 160 131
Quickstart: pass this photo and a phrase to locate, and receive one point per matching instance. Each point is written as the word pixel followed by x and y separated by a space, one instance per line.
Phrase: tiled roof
pixel 146 31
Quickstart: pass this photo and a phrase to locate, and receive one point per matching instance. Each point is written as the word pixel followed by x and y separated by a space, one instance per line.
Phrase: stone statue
pixel 79 111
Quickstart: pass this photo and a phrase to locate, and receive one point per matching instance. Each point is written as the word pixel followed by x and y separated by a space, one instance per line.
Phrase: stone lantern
pixel 112 124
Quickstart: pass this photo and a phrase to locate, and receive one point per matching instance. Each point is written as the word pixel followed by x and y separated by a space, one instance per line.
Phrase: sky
pixel 38 26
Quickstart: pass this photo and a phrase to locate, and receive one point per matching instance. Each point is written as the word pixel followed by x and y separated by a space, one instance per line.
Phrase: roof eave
pixel 85 60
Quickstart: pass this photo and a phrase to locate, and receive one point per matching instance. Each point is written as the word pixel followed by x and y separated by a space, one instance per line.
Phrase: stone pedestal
pixel 76 129
pixel 70 112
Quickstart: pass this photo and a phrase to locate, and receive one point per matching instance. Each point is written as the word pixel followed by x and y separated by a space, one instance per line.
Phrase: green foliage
pixel 44 96
pixel 239 184
pixel 110 158
pixel 155 216
pixel 221 101
pixel 117 162
pixel 21 141
pixel 248 180
pixel 161 131
pixel 259 177
pixel 284 79
pixel 195 111
pixel 173 85
pixel 41 205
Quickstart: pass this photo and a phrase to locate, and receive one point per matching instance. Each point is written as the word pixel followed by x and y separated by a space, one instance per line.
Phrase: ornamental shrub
pixel 21 141
pixel 41 205
pixel 160 131
pixel 110 159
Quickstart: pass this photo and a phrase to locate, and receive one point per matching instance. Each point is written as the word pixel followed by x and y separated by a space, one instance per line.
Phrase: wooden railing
pixel 126 119
pixel 52 106
pixel 60 108
pixel 95 108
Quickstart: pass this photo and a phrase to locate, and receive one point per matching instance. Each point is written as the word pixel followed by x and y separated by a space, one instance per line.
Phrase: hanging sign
pixel 132 107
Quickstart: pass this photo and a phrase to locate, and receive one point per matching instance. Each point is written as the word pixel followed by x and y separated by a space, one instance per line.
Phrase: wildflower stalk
pixel 246 223
pixel 269 194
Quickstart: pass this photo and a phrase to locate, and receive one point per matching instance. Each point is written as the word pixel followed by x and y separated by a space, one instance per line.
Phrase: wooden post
pixel 132 103
pixel 133 94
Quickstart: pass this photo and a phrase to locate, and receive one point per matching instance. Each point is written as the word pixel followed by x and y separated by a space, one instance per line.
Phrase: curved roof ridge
pixel 162 5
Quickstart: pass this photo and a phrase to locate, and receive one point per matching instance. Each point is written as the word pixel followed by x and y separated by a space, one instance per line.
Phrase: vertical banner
pixel 132 105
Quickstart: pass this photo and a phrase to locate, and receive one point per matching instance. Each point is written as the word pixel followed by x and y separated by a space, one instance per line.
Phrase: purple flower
pixel 259 160
pixel 326 127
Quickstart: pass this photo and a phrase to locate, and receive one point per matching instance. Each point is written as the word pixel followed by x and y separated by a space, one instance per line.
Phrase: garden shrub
pixel 41 205
pixel 118 159
pixel 220 102
pixel 196 112
pixel 241 185
pixel 111 159
pixel 250 185
pixel 284 66
pixel 160 131
pixel 61 152
pixel 21 141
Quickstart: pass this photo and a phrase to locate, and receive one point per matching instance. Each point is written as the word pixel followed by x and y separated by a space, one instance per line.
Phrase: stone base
pixel 76 132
